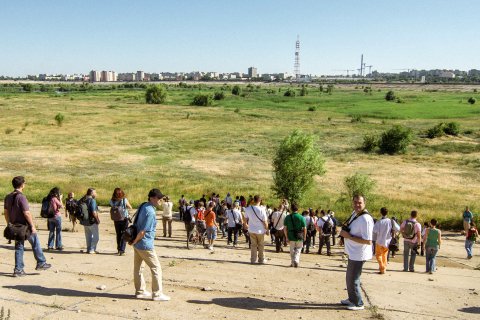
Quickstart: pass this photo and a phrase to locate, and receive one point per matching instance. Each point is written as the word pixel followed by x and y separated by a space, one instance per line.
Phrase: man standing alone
pixel 256 222
pixel 358 246
pixel 17 211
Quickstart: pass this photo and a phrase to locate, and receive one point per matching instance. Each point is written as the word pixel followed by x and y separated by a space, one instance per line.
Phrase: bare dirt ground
pixel 235 289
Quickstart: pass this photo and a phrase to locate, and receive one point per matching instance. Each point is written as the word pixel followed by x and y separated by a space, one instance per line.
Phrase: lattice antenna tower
pixel 296 66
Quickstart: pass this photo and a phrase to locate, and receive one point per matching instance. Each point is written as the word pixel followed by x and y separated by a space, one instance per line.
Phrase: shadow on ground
pixel 40 290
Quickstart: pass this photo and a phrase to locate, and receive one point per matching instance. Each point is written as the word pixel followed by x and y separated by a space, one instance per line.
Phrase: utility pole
pixel 296 65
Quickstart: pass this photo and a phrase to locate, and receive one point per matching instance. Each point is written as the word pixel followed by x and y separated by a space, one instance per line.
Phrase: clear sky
pixel 76 36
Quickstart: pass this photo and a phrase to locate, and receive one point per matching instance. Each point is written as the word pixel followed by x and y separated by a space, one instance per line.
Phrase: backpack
pixel 46 210
pixel 187 217
pixel 327 227
pixel 311 226
pixel 409 230
pixel 472 235
pixel 117 212
pixel 81 212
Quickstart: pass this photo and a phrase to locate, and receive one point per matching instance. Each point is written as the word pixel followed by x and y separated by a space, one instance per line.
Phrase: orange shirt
pixel 209 218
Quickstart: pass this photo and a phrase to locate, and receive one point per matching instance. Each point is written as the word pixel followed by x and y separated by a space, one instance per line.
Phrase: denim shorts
pixel 211 233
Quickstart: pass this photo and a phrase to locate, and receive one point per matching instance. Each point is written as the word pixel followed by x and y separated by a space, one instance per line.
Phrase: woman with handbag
pixel 119 213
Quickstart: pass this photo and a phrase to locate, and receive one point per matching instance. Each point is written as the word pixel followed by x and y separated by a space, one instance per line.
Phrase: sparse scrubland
pixel 109 136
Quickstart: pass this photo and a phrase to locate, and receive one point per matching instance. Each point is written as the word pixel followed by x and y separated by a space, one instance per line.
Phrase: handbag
pixel 274 229
pixel 17 231
pixel 238 225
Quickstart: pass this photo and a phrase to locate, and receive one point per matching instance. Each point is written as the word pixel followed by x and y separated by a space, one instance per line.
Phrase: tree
pixel 395 140
pixel 359 184
pixel 390 96
pixel 297 160
pixel 155 94
pixel 236 90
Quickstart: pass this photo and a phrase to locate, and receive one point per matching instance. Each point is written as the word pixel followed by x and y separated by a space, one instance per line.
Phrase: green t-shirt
pixel 294 223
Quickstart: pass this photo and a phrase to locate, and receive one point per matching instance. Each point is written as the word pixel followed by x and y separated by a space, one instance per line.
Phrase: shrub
pixel 202 100
pixel 236 90
pixel 219 95
pixel 436 131
pixel 472 100
pixel 370 142
pixel 155 94
pixel 390 96
pixel 395 140
pixel 237 110
pixel 289 93
pixel 271 91
pixel 59 118
pixel 312 108
pixel 359 184
pixel 9 130
pixel 356 118
pixel 303 91
pixel 452 129
pixel 297 160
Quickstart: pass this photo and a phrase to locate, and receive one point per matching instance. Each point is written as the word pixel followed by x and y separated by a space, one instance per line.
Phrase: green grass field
pixel 111 138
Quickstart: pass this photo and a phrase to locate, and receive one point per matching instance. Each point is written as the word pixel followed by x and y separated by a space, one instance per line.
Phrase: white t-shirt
pixel 167 209
pixel 278 219
pixel 233 217
pixel 255 225
pixel 362 227
pixel 383 231
pixel 321 221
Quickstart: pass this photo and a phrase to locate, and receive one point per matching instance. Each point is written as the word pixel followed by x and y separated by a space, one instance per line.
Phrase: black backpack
pixel 187 217
pixel 327 227
pixel 81 212
pixel 47 210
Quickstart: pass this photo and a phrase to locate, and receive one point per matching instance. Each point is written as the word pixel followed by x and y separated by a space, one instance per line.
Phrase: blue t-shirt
pixel 146 221
pixel 467 216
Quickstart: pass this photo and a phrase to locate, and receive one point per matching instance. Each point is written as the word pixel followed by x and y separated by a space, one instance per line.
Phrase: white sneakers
pixel 351 306
pixel 148 296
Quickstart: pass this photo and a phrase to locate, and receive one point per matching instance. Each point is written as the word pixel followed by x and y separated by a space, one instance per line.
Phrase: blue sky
pixel 76 36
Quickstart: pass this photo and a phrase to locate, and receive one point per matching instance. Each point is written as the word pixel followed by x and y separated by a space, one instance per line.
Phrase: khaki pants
pixel 151 260
pixel 466 226
pixel 257 241
pixel 381 255
pixel 295 249
pixel 167 221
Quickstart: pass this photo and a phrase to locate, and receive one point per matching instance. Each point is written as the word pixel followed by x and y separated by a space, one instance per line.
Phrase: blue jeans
pixel 55 228
pixel 408 249
pixel 354 271
pixel 469 247
pixel 430 255
pixel 92 237
pixel 36 248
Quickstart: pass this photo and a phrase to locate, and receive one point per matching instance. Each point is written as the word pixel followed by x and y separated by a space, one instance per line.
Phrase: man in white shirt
pixel 228 199
pixel 383 232
pixel 325 230
pixel 256 222
pixel 167 216
pixel 358 245
pixel 278 219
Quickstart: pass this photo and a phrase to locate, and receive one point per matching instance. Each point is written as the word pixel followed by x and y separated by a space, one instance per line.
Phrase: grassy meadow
pixel 111 138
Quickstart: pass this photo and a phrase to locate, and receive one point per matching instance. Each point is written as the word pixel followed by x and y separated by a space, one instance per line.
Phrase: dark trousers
pixel 314 235
pixel 189 227
pixel 333 239
pixel 279 240
pixel 120 227
pixel 233 231
pixel 181 211
pixel 324 240
pixel 308 241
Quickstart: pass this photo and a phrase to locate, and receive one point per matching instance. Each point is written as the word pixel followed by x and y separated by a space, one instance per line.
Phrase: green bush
pixel 370 142
pixel 359 184
pixel 472 100
pixel 9 130
pixel 356 118
pixel 202 100
pixel 236 90
pixel 155 94
pixel 289 93
pixel 219 95
pixel 436 131
pixel 390 96
pixel 452 129
pixel 395 140
pixel 303 91
pixel 59 118
pixel 313 108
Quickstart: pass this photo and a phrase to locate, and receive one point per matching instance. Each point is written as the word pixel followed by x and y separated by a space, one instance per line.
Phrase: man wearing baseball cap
pixel 144 249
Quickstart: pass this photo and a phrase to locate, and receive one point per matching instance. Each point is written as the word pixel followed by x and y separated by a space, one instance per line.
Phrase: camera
pixel 346 229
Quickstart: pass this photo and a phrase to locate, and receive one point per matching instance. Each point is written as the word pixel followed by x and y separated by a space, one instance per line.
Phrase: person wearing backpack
pixel 54 199
pixel 467 218
pixel 431 242
pixel 256 222
pixel 471 238
pixel 91 220
pixel 357 234
pixel 295 230
pixel 234 223
pixel 412 238
pixel 119 207
pixel 144 249
pixel 189 220
pixel 278 218
pixel 17 213
pixel 70 208
pixel 310 223
pixel 383 229
pixel 325 231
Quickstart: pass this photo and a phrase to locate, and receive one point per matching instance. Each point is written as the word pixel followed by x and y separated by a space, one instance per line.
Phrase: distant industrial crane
pixel 369 69
pixel 346 70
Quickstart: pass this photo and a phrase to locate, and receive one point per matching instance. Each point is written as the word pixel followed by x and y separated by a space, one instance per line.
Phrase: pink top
pixel 418 228
pixel 57 205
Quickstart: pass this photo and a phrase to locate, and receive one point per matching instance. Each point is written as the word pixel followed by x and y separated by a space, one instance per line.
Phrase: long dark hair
pixel 54 193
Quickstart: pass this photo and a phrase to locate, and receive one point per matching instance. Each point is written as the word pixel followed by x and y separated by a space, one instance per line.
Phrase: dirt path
pixel 235 289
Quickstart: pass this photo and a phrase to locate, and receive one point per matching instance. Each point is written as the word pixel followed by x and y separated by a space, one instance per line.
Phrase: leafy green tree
pixel 359 184
pixel 155 94
pixel 236 90
pixel 297 160
pixel 395 140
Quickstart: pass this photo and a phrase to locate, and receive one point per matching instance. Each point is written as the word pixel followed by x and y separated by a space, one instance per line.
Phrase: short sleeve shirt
pixel 209 218
pixel 418 228
pixel 17 208
pixel 362 227
pixel 294 223
pixel 146 221
pixel 256 215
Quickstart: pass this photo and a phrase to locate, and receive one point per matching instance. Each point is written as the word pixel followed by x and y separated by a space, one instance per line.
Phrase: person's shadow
pixel 247 303
pixel 40 290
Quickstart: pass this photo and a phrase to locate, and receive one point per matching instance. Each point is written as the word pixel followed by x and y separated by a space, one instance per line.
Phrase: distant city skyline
pixel 74 37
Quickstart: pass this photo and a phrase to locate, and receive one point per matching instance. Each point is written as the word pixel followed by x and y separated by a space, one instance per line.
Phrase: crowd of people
pixel 284 225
